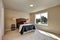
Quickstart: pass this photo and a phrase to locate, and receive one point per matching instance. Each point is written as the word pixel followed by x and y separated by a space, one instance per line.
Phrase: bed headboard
pixel 20 21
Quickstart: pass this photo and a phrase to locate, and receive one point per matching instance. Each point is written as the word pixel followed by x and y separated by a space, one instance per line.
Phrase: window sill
pixel 42 24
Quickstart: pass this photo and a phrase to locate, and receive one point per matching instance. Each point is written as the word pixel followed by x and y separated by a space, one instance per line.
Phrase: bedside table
pixel 13 27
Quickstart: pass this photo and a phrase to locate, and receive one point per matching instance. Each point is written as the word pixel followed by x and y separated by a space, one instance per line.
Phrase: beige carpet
pixel 15 35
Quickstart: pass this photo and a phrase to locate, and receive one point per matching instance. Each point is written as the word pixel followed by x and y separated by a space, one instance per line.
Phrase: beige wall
pixel 1 20
pixel 9 14
pixel 53 20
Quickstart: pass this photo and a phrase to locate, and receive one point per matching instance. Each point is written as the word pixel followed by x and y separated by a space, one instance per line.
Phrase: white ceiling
pixel 23 5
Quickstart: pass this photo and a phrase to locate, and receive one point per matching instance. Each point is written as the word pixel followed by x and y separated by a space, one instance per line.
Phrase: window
pixel 41 18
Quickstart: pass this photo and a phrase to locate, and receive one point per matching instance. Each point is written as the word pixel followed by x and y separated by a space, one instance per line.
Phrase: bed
pixel 36 34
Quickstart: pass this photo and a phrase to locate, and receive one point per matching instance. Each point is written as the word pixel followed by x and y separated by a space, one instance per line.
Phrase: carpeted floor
pixel 15 35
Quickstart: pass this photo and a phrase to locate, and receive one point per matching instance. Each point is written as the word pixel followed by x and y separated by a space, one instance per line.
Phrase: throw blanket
pixel 26 27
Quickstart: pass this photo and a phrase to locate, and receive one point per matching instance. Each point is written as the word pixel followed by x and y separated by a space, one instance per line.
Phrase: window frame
pixel 40 16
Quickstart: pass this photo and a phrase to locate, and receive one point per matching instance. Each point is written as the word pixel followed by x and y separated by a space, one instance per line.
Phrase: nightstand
pixel 13 27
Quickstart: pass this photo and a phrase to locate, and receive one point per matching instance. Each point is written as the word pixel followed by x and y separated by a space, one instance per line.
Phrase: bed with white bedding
pixel 37 35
